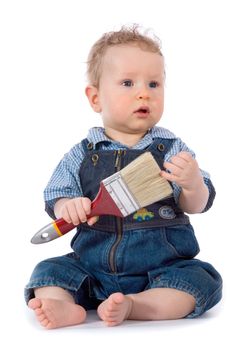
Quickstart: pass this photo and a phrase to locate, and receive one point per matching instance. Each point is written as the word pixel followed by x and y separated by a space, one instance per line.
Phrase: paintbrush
pixel 135 186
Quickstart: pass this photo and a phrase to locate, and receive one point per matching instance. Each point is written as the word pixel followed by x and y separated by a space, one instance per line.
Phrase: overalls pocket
pixel 181 239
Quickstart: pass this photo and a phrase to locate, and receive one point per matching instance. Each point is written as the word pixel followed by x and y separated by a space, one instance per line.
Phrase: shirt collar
pixel 96 135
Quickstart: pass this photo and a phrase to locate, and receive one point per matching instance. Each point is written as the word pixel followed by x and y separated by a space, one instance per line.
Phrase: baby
pixel 141 267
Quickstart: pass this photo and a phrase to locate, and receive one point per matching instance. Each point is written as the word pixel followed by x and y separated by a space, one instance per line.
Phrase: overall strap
pixel 87 145
pixel 159 148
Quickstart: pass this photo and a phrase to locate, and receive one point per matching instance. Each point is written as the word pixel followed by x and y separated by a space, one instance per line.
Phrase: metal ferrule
pixel 121 195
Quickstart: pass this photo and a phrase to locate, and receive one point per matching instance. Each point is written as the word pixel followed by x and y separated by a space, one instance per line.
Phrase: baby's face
pixel 131 89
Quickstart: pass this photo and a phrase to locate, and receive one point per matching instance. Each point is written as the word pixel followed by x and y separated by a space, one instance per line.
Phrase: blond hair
pixel 126 35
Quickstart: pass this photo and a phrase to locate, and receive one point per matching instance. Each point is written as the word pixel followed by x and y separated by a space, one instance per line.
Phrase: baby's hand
pixel 184 171
pixel 76 210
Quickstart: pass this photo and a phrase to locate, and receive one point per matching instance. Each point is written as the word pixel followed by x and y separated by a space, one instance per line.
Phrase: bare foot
pixel 115 309
pixel 54 313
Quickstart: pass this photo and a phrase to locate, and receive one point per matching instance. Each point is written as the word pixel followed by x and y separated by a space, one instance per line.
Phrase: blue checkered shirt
pixel 65 181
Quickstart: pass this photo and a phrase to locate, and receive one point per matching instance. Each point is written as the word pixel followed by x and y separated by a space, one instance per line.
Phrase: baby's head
pixel 126 82
pixel 125 36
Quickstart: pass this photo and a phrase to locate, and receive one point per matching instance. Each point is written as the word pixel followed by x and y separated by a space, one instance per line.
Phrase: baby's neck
pixel 129 140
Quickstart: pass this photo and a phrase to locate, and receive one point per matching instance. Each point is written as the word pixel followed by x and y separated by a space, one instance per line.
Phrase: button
pixel 161 147
pixel 95 158
pixel 90 146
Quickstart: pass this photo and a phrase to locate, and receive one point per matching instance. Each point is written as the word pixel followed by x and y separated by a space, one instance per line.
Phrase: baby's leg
pixel 153 304
pixel 161 304
pixel 55 307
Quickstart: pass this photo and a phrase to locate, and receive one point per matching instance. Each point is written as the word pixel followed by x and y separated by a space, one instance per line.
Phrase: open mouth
pixel 143 110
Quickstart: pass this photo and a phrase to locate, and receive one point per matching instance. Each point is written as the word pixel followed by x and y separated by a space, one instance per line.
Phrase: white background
pixel 44 112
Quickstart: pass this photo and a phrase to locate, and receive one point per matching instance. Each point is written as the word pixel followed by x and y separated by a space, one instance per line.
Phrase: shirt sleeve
pixel 180 146
pixel 65 181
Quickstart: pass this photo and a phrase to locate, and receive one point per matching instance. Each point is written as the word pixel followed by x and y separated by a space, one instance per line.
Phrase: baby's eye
pixel 127 83
pixel 153 84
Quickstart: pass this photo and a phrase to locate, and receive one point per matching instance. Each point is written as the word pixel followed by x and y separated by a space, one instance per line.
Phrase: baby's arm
pixel 74 210
pixel 184 170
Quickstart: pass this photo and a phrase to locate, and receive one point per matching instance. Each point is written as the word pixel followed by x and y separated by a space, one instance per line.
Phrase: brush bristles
pixel 142 178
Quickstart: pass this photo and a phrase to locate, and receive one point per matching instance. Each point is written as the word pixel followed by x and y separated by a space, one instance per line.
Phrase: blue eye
pixel 153 84
pixel 127 83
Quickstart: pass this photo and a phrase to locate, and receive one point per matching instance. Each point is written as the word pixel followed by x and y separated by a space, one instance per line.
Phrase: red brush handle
pixel 103 204
pixel 63 226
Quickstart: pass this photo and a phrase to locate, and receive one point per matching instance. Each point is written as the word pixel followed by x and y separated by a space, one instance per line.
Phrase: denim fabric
pixel 98 165
pixel 130 255
pixel 145 258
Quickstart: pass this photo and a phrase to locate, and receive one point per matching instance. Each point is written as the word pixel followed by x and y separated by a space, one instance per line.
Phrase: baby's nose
pixel 143 93
pixel 143 96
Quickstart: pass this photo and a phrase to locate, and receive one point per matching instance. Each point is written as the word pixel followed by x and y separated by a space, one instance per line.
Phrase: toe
pixel 45 323
pixel 118 298
pixel 41 317
pixel 34 303
pixel 38 312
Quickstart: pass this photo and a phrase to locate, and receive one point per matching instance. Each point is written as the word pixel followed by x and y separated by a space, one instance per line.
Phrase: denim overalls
pixel 152 248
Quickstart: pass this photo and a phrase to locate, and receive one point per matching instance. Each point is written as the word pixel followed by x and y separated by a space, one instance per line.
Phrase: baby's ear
pixel 92 94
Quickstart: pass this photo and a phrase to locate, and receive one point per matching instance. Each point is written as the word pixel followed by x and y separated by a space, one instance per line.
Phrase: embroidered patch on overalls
pixel 143 215
pixel 167 212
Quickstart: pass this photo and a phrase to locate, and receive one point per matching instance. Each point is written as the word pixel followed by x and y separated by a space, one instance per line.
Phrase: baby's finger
pixel 173 168
pixel 65 214
pixel 168 176
pixel 73 212
pixel 92 220
pixel 86 203
pixel 80 210
pixel 187 156
pixel 179 161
